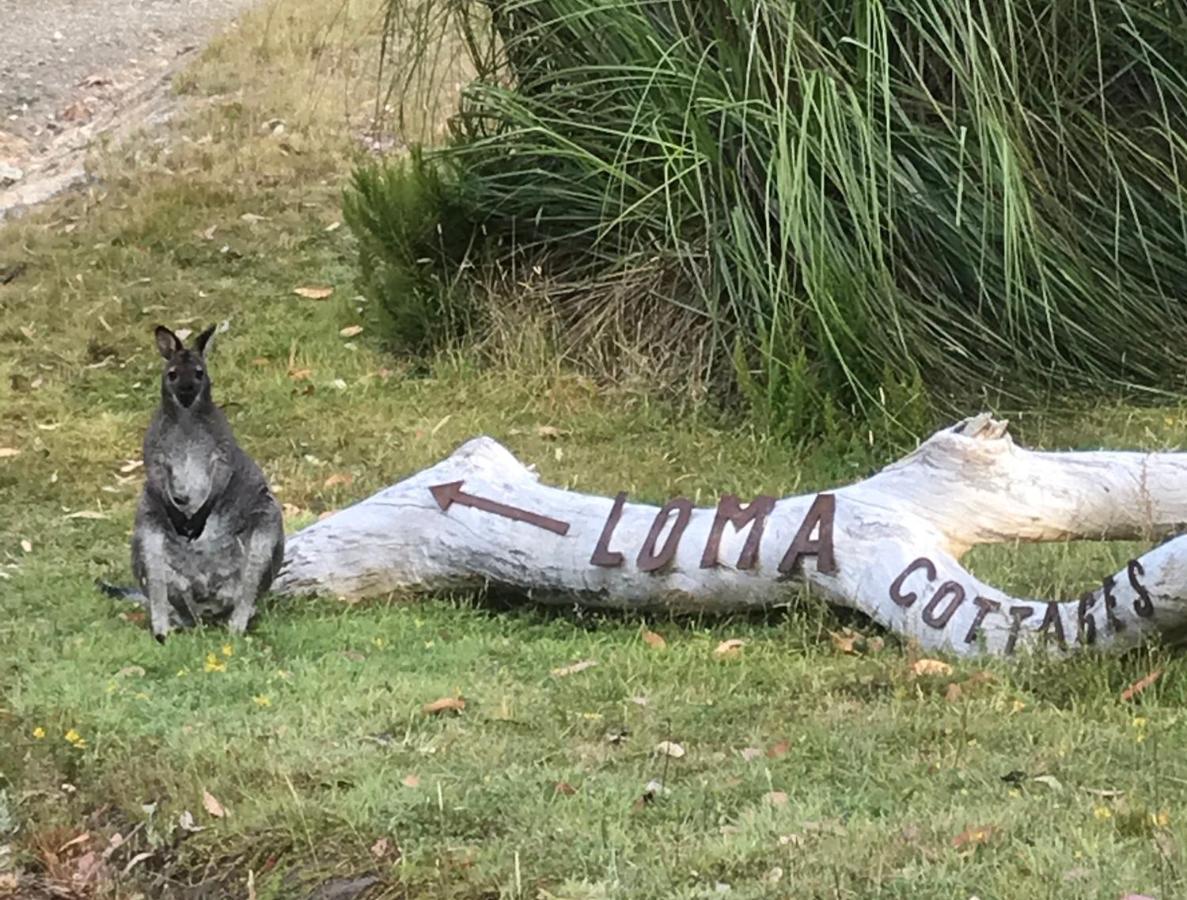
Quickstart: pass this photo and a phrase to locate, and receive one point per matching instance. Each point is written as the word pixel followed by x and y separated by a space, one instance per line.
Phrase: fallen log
pixel 889 546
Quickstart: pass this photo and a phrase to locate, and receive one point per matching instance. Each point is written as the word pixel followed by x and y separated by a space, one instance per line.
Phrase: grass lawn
pixel 301 751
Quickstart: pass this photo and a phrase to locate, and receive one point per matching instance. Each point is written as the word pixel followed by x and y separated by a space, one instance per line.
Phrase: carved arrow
pixel 450 493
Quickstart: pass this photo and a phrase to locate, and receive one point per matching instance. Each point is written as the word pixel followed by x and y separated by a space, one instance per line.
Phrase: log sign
pixel 950 596
pixel 905 590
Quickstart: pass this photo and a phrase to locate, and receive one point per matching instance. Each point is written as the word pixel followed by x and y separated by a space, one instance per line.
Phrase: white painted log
pixel 896 541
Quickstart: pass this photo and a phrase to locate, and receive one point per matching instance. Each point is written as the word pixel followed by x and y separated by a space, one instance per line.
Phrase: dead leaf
pixel 411 781
pixel 549 432
pixel 455 704
pixel 1140 685
pixel 1050 780
pixel 380 848
pixel 729 648
pixel 131 466
pixel 844 641
pixel 343 478
pixel 75 112
pixel 778 749
pixel 9 452
pixel 333 226
pixel 775 798
pixel 952 694
pixel 313 291
pixel 351 331
pixel 86 514
pixel 186 822
pixel 291 511
pixel 300 374
pixel 651 639
pixel 1104 793
pixel 130 671
pixel 574 668
pixel 669 748
pixel 563 787
pixel 208 234
pixel 26 546
pixel 252 218
pixel 8 883
pixel 750 753
pixel 923 667
pixel 212 806
pixel 973 837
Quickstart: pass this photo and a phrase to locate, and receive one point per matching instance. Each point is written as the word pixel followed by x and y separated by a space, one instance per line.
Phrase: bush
pixel 843 199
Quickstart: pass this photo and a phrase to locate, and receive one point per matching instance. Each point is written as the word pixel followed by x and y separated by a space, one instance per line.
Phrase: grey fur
pixel 209 536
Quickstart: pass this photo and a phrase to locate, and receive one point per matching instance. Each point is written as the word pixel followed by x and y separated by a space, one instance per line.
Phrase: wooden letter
pixel 896 586
pixel 651 561
pixel 1143 605
pixel 730 510
pixel 947 589
pixel 820 512
pixel 984 607
pixel 603 555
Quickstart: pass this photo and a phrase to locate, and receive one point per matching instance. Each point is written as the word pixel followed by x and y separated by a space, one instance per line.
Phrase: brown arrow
pixel 448 494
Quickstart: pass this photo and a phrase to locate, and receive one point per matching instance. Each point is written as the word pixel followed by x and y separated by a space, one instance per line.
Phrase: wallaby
pixel 209 535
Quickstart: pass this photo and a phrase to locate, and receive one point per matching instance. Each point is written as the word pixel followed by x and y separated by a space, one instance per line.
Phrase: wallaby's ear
pixel 167 342
pixel 202 340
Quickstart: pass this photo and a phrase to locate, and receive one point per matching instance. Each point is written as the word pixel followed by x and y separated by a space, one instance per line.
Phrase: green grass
pixel 827 206
pixel 310 730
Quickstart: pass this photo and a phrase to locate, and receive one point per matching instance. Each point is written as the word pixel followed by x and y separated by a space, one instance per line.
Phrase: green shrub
pixel 414 240
pixel 851 197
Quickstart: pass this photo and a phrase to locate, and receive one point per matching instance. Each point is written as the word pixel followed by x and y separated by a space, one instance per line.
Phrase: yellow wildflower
pixel 76 739
pixel 1102 812
pixel 1140 721
pixel 262 700
pixel 378 642
pixel 183 672
pixel 228 650
pixel 1018 706
pixel 214 664
pixel 1160 819
pixel 38 732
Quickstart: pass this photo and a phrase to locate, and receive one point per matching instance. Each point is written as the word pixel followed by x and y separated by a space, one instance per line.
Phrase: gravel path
pixel 67 66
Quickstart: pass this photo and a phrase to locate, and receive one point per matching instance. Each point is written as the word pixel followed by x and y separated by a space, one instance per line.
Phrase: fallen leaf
pixel 252 218
pixel 669 748
pixel 291 511
pixel 300 374
pixel 930 667
pixel 131 466
pixel 778 749
pixel 1140 685
pixel 563 787
pixel 973 837
pixel 1050 780
pixel 774 875
pixel 952 694
pixel 26 546
pixel 208 234
pixel 86 514
pixel 343 478
pixel 351 331
pixel 9 452
pixel 130 671
pixel 574 668
pixel 651 639
pixel 729 648
pixel 1104 793
pixel 212 806
pixel 186 822
pixel 456 704
pixel 313 292
pixel 333 226
pixel 750 753
pixel 380 848
pixel 775 798
pixel 411 781
pixel 549 432
pixel 75 841
pixel 844 641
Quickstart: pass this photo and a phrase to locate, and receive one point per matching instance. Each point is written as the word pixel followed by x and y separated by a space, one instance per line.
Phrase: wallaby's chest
pixel 191 470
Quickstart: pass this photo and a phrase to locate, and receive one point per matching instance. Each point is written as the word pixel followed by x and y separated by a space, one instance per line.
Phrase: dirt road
pixel 72 69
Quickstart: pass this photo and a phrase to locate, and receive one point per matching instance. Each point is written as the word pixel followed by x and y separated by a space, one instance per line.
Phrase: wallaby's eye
pixel 197 373
pixel 172 374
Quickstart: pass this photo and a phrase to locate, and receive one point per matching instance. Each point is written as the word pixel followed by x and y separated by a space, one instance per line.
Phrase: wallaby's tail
pixel 122 593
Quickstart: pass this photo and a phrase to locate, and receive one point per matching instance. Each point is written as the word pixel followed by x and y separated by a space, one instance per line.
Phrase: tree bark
pixel 889 545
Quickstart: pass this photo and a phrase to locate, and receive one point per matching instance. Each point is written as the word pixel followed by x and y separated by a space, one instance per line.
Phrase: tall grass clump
pixel 817 203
